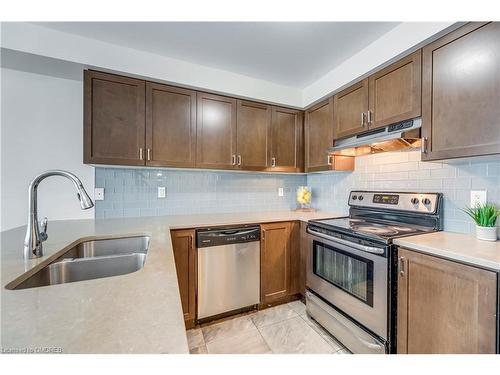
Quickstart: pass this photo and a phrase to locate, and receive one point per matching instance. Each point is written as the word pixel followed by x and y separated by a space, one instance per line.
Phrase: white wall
pixel 42 41
pixel 406 36
pixel 41 125
pixel 37 40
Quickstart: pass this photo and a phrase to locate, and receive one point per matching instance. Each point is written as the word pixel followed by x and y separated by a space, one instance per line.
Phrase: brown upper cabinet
pixel 170 126
pixel 350 110
pixel 319 137
pixel 216 132
pixel 395 92
pixel 391 95
pixel 461 93
pixel 114 121
pixel 253 135
pixel 444 306
pixel 287 150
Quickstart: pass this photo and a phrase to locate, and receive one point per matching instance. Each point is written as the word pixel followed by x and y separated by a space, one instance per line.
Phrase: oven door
pixel 353 280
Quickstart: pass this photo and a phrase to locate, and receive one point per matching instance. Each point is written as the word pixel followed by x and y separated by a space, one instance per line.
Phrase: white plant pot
pixel 486 233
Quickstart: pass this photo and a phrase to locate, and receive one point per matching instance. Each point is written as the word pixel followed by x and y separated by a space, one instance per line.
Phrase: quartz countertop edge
pixel 139 312
pixel 459 247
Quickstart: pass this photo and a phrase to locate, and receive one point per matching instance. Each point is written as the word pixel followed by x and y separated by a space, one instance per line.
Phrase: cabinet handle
pixel 401 266
pixel 329 159
pixel 140 153
pixel 273 162
pixel 363 115
pixel 369 117
pixel 239 159
pixel 149 153
pixel 424 145
pixel 233 159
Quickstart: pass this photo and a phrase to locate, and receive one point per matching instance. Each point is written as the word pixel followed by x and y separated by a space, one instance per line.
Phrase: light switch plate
pixel 477 198
pixel 162 193
pixel 99 194
pixel 280 192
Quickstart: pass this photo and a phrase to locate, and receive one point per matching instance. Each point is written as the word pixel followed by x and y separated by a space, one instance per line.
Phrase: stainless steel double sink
pixel 91 260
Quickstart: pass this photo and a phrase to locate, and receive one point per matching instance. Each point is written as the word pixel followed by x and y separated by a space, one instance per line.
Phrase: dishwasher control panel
pixel 226 236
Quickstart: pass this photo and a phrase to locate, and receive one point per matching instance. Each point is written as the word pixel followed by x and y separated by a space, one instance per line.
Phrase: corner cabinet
pixel 183 243
pixel 444 306
pixel 461 93
pixel 114 119
pixel 279 261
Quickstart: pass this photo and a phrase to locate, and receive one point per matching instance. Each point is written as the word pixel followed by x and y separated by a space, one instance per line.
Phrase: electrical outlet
pixel 280 192
pixel 99 194
pixel 162 192
pixel 477 198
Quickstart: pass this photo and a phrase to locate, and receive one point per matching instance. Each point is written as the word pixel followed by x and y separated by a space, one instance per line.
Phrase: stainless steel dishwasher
pixel 228 269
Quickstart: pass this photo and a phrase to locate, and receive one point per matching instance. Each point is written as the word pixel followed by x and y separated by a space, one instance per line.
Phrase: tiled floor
pixel 284 329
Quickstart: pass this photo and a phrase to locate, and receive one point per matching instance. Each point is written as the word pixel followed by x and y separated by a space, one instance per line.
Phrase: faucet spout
pixel 33 240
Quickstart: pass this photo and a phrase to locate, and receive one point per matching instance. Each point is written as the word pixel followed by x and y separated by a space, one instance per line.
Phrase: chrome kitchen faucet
pixel 34 238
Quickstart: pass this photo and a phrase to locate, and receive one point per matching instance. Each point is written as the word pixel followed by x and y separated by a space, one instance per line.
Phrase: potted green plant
pixel 485 217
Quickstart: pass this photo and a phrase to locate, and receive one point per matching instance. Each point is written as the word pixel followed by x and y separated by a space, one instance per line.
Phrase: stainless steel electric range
pixel 351 270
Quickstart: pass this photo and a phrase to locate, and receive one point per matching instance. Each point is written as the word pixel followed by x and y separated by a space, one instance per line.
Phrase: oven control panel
pixel 413 202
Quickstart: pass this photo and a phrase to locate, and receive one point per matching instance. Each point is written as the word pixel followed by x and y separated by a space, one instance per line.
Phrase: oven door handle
pixel 368 249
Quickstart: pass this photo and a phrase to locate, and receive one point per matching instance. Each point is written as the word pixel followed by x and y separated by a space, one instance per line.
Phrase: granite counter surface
pixel 455 246
pixel 138 312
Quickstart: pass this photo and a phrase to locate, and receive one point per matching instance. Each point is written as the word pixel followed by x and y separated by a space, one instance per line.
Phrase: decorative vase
pixel 304 195
pixel 486 233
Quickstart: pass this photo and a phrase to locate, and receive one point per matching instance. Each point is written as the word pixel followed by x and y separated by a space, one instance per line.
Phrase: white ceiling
pixel 294 54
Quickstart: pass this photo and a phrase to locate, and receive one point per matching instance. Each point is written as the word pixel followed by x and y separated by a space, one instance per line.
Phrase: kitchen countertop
pixel 139 312
pixel 455 246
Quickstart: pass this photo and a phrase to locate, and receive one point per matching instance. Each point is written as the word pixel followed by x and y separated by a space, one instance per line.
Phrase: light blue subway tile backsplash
pixel 404 171
pixel 134 192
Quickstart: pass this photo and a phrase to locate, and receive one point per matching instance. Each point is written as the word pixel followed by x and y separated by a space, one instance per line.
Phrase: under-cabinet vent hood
pixel 394 137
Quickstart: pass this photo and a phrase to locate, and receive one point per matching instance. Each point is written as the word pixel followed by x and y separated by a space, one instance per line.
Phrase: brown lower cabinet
pixel 444 306
pixel 279 261
pixel 183 243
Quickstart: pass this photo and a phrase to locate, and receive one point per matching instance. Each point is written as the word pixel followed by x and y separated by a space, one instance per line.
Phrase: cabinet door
pixel 253 135
pixel 287 145
pixel 114 119
pixel 396 92
pixel 305 243
pixel 350 110
pixel 275 261
pixel 461 93
pixel 319 136
pixel 170 126
pixel 215 132
pixel 185 258
pixel 444 306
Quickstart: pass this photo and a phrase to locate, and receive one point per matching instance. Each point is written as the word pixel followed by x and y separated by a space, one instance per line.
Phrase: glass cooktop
pixel 370 228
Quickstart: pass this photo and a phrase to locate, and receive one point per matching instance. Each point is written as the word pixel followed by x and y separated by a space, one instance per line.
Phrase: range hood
pixel 393 137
